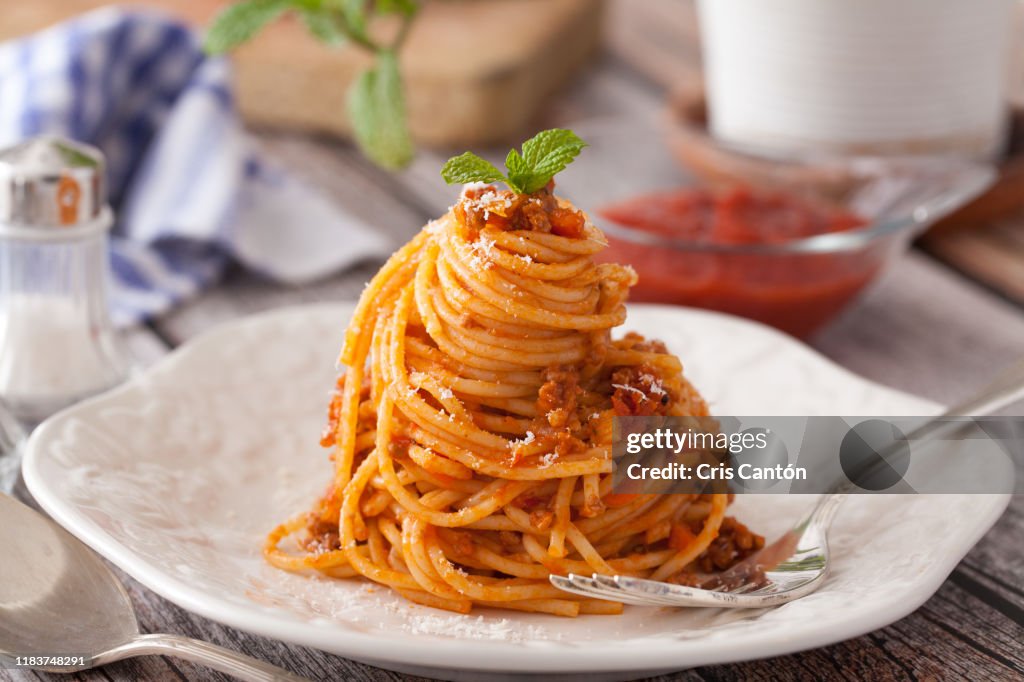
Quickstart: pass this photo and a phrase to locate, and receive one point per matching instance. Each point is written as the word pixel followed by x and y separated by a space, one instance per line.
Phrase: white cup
pixel 787 77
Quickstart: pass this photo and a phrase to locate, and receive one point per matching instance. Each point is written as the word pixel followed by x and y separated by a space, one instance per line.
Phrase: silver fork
pixel 798 562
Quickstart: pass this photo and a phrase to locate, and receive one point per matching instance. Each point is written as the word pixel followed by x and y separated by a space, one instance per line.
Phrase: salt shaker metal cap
pixel 48 185
pixel 57 343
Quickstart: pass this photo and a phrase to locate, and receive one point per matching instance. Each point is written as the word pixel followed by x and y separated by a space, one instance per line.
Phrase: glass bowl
pixel 796 286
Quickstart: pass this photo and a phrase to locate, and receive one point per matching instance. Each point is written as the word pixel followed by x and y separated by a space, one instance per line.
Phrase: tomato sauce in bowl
pixel 761 255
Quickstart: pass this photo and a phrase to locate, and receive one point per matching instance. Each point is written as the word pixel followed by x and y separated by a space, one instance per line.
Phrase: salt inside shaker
pixel 57 343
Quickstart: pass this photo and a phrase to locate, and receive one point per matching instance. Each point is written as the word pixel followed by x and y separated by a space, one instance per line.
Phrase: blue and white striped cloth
pixel 187 185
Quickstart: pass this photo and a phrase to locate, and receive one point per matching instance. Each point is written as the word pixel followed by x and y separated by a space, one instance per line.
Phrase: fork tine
pixel 563 583
pixel 641 592
pixel 590 584
pixel 616 585
pixel 681 595
pixel 605 586
pixel 588 587
pixel 793 566
pixel 748 587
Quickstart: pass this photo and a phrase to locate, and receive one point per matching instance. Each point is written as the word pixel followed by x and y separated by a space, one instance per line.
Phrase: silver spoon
pixel 58 598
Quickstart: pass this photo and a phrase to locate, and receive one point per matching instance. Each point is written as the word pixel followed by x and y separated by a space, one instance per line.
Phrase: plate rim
pixel 474 655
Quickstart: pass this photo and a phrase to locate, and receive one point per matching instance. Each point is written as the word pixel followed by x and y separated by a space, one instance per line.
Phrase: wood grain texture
pixel 927 330
pixel 986 238
pixel 994 255
pixel 466 82
pixel 924 328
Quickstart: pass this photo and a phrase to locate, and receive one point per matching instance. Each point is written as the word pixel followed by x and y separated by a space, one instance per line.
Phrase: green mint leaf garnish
pixel 547 155
pixel 517 169
pixel 376 108
pixel 469 167
pixel 376 103
pixel 406 7
pixel 354 13
pixel 240 22
pixel 531 170
pixel 322 25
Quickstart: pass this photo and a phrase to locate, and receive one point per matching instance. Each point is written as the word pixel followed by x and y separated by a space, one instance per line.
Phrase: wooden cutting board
pixel 477 71
pixel 993 255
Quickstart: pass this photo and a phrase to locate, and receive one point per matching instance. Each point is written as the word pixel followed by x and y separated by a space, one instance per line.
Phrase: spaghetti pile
pixel 472 427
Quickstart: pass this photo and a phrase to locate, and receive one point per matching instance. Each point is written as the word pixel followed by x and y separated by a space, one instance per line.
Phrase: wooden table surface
pixel 926 328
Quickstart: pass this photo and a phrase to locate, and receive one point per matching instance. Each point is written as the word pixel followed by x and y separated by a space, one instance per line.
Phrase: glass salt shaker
pixel 57 342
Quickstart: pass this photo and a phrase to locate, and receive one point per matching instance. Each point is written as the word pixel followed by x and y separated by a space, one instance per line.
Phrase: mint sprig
pixel 376 106
pixel 376 101
pixel 542 157
pixel 241 21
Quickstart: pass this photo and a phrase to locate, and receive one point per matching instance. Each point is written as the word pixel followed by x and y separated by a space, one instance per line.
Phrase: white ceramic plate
pixel 176 476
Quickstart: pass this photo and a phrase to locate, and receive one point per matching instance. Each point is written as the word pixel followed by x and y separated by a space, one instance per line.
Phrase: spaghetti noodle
pixel 471 430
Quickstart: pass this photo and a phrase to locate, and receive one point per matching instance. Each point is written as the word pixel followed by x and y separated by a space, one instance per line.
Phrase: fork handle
pixel 223 660
pixel 1005 390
